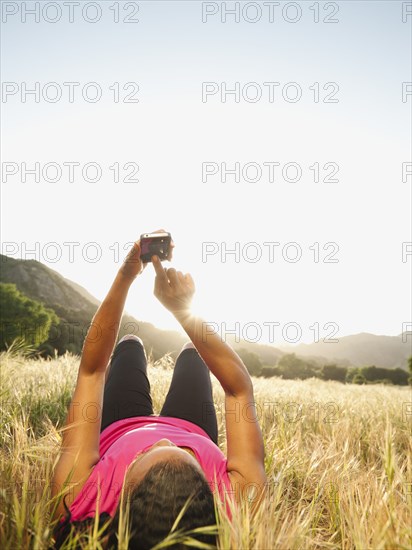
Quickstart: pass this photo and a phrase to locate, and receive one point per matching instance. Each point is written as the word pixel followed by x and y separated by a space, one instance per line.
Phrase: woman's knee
pixel 130 337
pixel 188 345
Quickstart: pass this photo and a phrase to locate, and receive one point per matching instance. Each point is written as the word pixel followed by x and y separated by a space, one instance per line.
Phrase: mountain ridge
pixel 75 305
pixel 360 349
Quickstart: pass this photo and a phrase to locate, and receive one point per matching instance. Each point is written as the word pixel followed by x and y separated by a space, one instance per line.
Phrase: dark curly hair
pixel 153 506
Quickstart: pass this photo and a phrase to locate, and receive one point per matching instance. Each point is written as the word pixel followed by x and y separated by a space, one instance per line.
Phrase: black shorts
pixel 127 389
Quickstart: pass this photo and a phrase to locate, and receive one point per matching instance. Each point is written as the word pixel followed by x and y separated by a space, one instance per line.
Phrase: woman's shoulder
pixel 248 489
pixel 67 500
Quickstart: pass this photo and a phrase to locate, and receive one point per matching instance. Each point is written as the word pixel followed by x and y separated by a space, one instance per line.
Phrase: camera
pixel 154 244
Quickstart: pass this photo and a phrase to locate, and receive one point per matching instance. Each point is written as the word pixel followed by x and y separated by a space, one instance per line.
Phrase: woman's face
pixel 160 451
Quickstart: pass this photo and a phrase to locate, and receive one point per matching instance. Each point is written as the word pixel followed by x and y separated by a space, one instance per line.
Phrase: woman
pixel 115 449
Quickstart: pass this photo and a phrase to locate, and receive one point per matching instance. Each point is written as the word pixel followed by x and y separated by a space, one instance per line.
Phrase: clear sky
pixel 318 129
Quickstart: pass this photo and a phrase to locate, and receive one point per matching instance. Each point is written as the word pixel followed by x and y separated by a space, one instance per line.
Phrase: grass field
pixel 338 459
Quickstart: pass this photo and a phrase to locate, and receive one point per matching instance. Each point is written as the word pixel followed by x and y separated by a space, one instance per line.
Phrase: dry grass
pixel 338 458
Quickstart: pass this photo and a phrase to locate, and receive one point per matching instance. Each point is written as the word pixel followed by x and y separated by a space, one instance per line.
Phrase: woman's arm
pixel 104 328
pixel 81 432
pixel 245 449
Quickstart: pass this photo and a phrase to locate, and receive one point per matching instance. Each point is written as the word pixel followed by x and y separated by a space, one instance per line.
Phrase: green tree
pixel 293 367
pixel 398 376
pixel 268 372
pixel 410 370
pixel 358 379
pixel 251 361
pixel 22 318
pixel 395 376
pixel 333 372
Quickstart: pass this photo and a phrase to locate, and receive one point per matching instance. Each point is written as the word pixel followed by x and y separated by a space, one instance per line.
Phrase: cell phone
pixel 154 244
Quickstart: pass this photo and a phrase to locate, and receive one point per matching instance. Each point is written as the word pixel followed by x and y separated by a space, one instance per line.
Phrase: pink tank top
pixel 122 440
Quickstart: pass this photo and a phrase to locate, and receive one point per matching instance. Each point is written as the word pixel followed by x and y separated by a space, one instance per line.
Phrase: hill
pixel 75 307
pixel 360 350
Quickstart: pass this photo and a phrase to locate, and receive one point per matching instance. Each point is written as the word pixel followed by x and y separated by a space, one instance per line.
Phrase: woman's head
pixel 158 484
pixel 161 451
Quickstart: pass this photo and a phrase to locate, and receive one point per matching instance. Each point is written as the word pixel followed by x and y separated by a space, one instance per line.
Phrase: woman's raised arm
pixel 245 449
pixel 81 433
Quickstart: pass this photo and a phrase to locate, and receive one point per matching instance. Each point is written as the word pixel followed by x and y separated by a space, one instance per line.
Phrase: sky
pixel 231 125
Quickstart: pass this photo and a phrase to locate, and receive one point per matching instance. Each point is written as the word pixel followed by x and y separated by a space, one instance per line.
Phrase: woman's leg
pixel 127 388
pixel 190 394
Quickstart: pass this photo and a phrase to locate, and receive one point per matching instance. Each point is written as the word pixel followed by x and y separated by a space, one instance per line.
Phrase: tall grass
pixel 338 458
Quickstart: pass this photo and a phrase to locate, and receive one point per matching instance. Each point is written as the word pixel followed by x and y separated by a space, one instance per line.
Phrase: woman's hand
pixel 132 265
pixel 172 288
